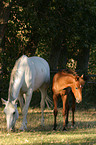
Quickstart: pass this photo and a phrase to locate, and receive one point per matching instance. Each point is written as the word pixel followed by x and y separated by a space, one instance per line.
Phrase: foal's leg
pixel 27 98
pixel 73 109
pixel 55 110
pixel 67 111
pixel 64 97
pixel 67 105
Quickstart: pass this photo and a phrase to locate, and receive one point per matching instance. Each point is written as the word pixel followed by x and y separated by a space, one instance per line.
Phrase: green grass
pixel 84 132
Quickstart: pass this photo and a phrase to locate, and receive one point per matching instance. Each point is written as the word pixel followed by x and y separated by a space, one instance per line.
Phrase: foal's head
pixel 77 88
pixel 11 113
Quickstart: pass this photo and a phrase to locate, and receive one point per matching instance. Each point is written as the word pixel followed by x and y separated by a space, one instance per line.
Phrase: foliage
pixel 92 60
pixel 50 25
pixel 57 30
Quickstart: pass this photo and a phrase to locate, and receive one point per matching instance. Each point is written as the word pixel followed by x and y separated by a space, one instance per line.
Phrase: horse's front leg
pixel 64 97
pixel 20 98
pixel 55 110
pixel 25 109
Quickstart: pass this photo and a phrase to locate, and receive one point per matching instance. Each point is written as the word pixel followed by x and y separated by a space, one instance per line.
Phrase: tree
pixel 5 7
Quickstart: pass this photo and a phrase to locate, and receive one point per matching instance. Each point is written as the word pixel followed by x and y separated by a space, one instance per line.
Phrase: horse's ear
pixel 3 101
pixel 14 102
pixel 76 78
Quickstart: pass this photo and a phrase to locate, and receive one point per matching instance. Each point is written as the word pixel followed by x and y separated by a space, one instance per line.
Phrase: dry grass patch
pixel 84 131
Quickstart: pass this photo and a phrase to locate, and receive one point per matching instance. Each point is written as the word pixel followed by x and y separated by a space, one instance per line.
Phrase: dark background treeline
pixel 62 32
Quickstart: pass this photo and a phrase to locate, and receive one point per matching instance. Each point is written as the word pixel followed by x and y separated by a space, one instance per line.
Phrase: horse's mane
pixel 13 74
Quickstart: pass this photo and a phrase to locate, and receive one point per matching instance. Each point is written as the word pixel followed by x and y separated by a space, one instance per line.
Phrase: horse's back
pixel 39 61
pixel 40 64
pixel 39 71
pixel 31 72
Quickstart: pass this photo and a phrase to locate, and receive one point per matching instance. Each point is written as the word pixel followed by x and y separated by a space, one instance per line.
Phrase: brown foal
pixel 63 83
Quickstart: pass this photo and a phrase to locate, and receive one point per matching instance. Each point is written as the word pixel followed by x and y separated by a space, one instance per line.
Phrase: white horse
pixel 28 75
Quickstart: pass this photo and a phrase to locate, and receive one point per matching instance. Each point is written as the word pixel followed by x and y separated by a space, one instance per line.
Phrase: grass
pixel 84 132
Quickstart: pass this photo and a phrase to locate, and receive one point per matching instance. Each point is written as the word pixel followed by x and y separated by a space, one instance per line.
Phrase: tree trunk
pixel 55 53
pixel 58 55
pixel 54 58
pixel 82 61
pixel 4 16
pixel 63 58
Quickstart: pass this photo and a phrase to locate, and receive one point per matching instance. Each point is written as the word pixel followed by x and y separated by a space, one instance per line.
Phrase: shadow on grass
pixel 35 117
pixel 89 143
pixel 49 120
pixel 79 126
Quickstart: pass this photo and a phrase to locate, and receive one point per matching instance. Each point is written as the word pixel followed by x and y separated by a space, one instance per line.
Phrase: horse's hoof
pixel 64 129
pixel 22 128
pixel 42 124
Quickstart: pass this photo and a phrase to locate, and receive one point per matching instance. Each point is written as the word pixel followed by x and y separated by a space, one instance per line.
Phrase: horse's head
pixel 77 88
pixel 11 113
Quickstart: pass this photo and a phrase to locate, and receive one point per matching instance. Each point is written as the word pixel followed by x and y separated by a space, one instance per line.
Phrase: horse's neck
pixel 15 86
pixel 17 77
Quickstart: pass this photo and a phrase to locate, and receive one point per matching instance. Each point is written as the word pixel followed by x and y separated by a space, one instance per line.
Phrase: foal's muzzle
pixel 77 100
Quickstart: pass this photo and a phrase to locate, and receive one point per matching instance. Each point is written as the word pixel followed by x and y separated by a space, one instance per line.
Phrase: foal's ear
pixel 76 78
pixel 84 77
pixel 3 101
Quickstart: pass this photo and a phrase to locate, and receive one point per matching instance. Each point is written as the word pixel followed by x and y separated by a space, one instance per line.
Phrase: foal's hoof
pixel 54 128
pixel 64 129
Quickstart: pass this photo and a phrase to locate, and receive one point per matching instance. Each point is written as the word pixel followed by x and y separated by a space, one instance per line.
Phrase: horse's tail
pixel 49 102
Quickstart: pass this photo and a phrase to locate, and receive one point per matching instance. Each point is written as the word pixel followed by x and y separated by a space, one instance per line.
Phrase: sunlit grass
pixel 84 131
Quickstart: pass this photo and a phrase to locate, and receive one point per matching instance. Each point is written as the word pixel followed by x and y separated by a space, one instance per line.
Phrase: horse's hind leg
pixel 43 90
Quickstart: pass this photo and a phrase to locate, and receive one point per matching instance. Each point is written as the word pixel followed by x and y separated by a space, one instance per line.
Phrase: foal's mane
pixel 69 72
pixel 13 74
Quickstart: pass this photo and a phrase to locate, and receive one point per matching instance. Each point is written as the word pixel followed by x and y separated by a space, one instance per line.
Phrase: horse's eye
pixel 13 113
pixel 76 88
